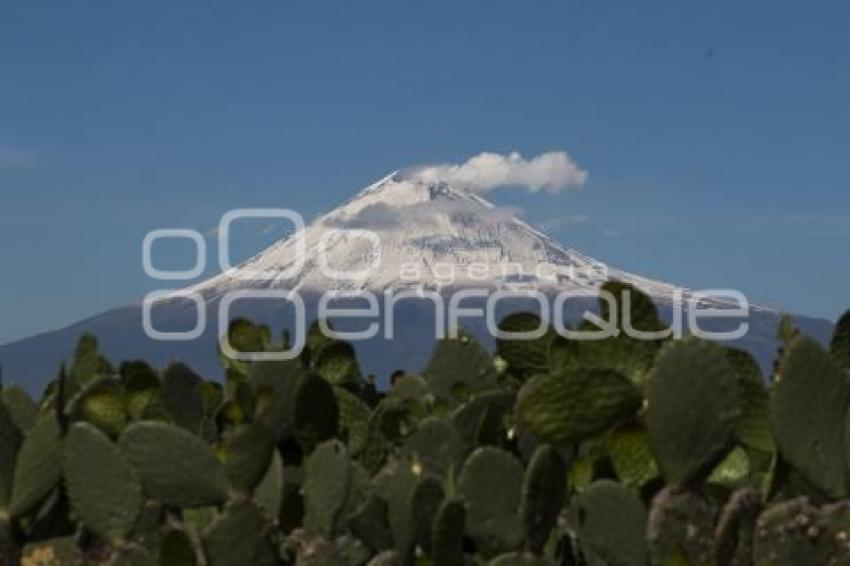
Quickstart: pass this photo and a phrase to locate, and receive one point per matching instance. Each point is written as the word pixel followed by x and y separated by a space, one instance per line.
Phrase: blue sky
pixel 716 134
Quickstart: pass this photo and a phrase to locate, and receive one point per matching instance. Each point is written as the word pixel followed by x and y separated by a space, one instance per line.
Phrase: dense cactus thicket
pixel 613 452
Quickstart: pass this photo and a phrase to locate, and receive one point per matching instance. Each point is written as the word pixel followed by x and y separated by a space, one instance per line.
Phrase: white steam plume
pixel 553 171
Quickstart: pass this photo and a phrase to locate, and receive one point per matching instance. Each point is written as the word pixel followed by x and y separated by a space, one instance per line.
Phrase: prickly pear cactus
pixel 175 466
pixel 10 441
pixel 316 414
pixel 21 408
pixel 840 345
pixel 625 354
pixel 104 490
pixel 736 528
pixel 425 504
pixel 397 484
pixel 88 363
pixel 694 406
pixel 448 529
pixel 181 397
pixel 460 365
pixel 247 454
pixel 544 492
pixel 436 446
pixel 337 363
pixel 38 467
pixel 476 462
pixel 269 492
pixel 491 485
pixel 525 357
pixel 326 488
pixel 141 387
pixel 631 457
pixel 570 406
pixel 240 535
pixel 354 416
pixel 610 522
pixel 809 404
pixel 753 429
pixel 681 529
pixel 787 533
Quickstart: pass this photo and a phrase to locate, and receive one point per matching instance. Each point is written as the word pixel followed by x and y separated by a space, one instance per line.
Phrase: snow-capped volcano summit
pixel 421 234
pixel 404 232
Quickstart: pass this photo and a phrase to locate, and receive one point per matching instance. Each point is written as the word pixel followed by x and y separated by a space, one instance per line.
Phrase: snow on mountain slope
pixel 432 236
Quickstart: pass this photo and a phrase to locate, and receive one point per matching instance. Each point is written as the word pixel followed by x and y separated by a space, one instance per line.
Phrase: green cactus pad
pixel 327 481
pixel 840 345
pixel 491 484
pixel 175 466
pixel 248 452
pixel 787 330
pixel 88 363
pixel 426 501
pixel 524 357
pixel 631 457
pixel 269 492
pixel 38 468
pixel 239 536
pixel 369 522
pixel 610 521
pixel 733 471
pixel 681 527
pixel 627 355
pixel 447 533
pixel 22 409
pixel 104 490
pixel 480 420
pixel 316 415
pixel 544 491
pixel 10 442
pixel 436 446
pixel 462 361
pixel 753 428
pixel 106 409
pixel 789 534
pixel 397 484
pixel 273 387
pixel 353 418
pixel 337 363
pixel 809 403
pixel 735 530
pixel 574 405
pixel 694 407
pixel 181 396
pixel 141 387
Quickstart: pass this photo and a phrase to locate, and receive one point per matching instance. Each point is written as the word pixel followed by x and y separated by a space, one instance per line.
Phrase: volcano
pixel 401 235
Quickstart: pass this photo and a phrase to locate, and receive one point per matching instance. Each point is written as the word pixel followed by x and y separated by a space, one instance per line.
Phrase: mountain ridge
pixel 423 225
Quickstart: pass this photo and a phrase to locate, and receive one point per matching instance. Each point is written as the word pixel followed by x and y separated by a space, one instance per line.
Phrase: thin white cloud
pixel 553 171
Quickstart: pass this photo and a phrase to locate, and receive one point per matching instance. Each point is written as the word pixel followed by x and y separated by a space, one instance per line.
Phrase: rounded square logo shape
pixel 155 296
pixel 224 323
pixel 179 233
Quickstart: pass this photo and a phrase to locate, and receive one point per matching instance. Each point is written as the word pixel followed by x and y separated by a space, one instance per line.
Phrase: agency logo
pixel 452 301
